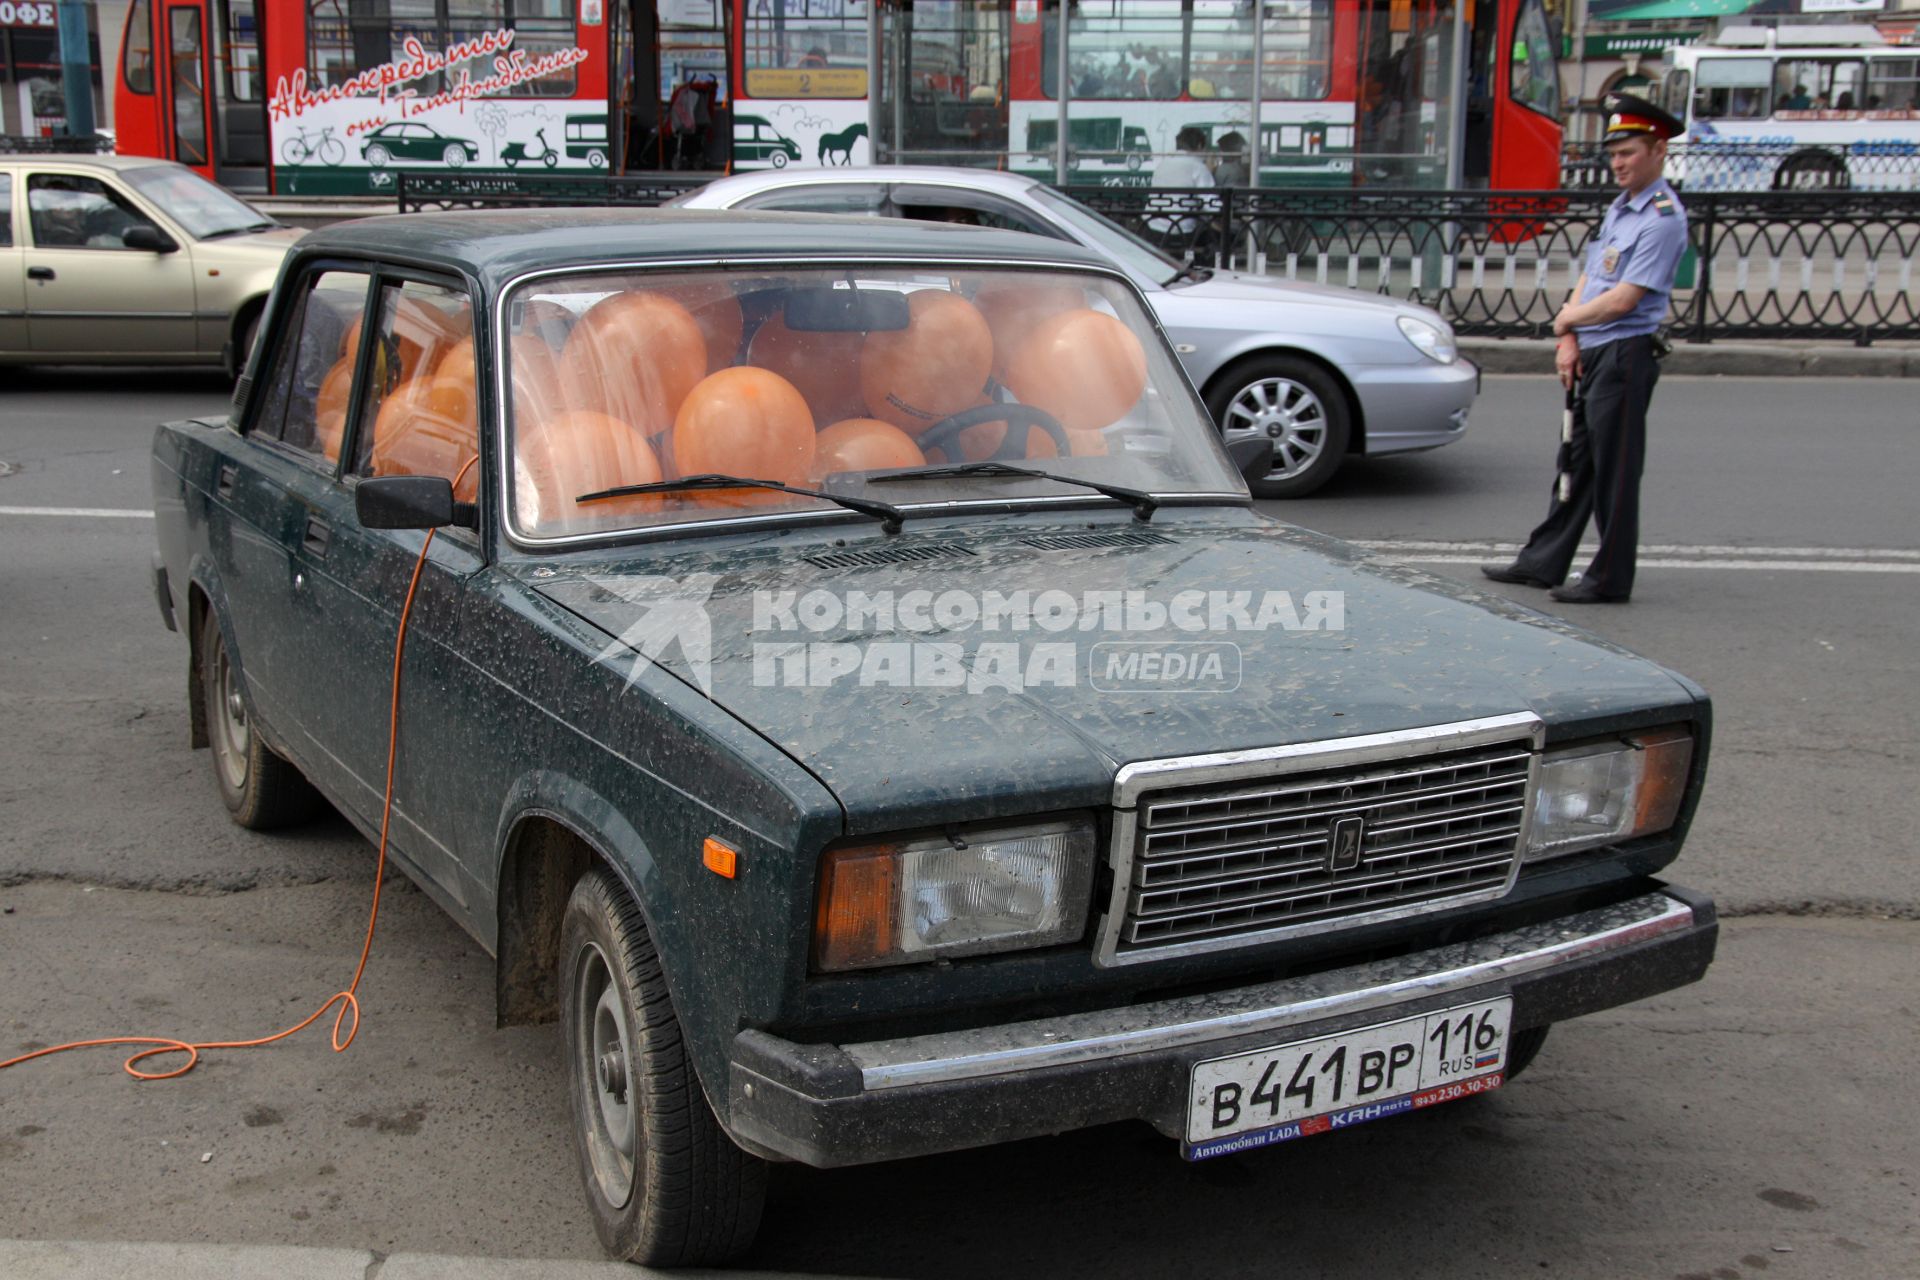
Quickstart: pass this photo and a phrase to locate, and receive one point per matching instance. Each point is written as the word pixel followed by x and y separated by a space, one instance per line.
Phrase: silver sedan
pixel 1321 372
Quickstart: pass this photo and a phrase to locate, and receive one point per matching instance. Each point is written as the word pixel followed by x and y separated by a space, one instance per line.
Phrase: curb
pixel 111 1260
pixel 1721 359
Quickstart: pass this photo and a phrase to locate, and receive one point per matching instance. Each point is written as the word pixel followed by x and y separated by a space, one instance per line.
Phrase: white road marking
pixel 1400 546
pixel 103 513
pixel 1804 566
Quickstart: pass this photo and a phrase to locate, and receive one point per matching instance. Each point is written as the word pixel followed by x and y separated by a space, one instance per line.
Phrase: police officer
pixel 1607 346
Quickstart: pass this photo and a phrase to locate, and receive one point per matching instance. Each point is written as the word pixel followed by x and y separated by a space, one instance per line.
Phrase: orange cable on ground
pixel 346 999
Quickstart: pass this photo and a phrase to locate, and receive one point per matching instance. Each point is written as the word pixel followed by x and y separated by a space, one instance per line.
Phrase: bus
pixel 1793 108
pixel 338 97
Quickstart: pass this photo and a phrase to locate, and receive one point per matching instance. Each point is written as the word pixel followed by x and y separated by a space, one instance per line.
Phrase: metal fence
pixel 32 144
pixel 1501 264
pixel 1830 264
pixel 1707 165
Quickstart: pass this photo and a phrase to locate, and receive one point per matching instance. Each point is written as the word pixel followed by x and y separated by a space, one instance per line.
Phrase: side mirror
pixel 411 502
pixel 1252 456
pixel 149 239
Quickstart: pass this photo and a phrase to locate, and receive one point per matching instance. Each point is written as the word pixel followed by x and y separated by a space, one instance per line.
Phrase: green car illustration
pixel 413 141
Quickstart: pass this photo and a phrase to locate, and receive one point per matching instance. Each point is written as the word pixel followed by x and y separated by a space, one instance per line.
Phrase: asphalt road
pixel 1758 1123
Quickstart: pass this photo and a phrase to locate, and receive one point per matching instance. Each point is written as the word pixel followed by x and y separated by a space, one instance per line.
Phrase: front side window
pixel 6 211
pixel 308 393
pixel 66 211
pixel 205 210
pixel 850 381
pixel 1732 89
pixel 1535 75
pixel 422 416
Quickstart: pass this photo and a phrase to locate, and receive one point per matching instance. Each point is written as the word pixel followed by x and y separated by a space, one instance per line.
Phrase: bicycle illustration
pixel 301 149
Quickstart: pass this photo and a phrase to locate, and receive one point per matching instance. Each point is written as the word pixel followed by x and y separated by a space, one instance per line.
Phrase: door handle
pixel 39 273
pixel 228 474
pixel 319 534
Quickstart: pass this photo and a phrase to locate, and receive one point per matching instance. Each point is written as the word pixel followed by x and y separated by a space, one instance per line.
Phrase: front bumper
pixel 830 1105
pixel 1405 407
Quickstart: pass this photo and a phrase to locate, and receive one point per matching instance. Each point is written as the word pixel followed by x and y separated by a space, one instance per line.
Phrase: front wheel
pixel 665 1185
pixel 1296 405
pixel 779 159
pixel 550 159
pixel 377 156
pixel 261 789
pixel 454 156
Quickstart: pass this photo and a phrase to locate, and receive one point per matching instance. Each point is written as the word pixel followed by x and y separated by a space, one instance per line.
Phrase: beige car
pixel 125 260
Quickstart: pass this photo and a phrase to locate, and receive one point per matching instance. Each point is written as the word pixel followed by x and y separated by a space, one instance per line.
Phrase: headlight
pixel 1605 792
pixel 961 893
pixel 1435 341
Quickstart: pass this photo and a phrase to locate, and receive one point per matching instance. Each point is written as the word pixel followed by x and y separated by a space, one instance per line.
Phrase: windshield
pixel 196 204
pixel 829 379
pixel 1120 244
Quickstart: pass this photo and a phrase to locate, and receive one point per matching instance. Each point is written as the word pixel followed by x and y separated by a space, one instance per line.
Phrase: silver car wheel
pixel 604 1052
pixel 1286 412
pixel 232 739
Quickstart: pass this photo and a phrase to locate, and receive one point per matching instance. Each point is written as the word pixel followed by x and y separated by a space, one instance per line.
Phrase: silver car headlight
pixel 1605 792
pixel 1434 341
pixel 962 892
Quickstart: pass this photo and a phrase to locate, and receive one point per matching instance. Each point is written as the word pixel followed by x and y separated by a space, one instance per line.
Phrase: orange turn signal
pixel 723 860
pixel 855 925
pixel 1663 778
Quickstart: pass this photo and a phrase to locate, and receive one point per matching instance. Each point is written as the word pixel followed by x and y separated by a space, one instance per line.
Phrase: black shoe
pixel 1514 574
pixel 1581 593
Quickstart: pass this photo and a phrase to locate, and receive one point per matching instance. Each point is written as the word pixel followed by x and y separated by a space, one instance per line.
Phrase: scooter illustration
pixel 514 153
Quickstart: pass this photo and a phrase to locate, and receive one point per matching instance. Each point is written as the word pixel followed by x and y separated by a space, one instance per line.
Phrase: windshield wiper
pixel 1143 503
pixel 889 515
pixel 1192 271
pixel 223 232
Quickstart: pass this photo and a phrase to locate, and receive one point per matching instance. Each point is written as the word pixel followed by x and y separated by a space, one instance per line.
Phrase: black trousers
pixel 1601 464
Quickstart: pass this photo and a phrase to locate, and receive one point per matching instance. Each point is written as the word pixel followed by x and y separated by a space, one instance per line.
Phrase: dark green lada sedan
pixel 845 687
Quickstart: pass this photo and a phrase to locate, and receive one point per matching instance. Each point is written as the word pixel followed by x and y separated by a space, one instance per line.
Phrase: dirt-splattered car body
pixel 1026 807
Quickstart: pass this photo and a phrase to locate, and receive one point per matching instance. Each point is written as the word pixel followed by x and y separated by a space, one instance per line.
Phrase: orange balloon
pixel 426 428
pixel 546 320
pixel 561 458
pixel 821 366
pixel 634 356
pixel 535 375
pixel 982 440
pixel 1013 311
pixel 350 340
pixel 1084 367
pixel 330 407
pixel 717 311
pixel 933 368
pixel 745 422
pixel 457 359
pixel 864 444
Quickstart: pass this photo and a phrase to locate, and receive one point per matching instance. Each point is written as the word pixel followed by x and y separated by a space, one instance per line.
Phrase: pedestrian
pixel 1187 168
pixel 1231 170
pixel 1608 344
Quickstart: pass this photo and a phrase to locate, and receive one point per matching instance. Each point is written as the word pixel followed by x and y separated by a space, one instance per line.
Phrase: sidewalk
pixel 1731 359
pixel 88 1260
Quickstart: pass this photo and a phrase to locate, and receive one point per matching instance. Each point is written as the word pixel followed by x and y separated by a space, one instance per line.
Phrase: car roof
pixel 497 245
pixel 83 160
pixel 1011 184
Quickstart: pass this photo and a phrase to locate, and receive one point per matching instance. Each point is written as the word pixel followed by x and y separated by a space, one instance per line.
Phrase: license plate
pixel 1296 1090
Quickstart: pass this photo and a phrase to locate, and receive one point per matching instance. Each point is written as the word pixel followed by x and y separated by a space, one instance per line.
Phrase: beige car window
pixel 6 211
pixel 66 211
pixel 313 372
pixel 422 414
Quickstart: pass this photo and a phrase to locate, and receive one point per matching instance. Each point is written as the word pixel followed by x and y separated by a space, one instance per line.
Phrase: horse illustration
pixel 840 144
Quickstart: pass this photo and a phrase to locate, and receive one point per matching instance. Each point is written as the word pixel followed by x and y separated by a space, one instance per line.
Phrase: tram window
pixel 1818 84
pixel 806 49
pixel 1118 50
pixel 136 59
pixel 1732 89
pixel 240 51
pixel 1893 84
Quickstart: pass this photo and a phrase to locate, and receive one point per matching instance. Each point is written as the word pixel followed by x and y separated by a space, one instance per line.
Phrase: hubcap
pixel 231 737
pixel 603 1050
pixel 1285 412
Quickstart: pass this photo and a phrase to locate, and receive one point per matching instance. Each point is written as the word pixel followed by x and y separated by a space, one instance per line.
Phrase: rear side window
pixel 6 211
pixel 422 415
pixel 309 390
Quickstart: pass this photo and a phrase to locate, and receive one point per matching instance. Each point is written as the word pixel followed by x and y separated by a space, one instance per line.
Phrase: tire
pixel 378 156
pixel 550 159
pixel 1296 404
pixel 596 159
pixel 455 156
pixel 292 152
pixel 681 1193
pixel 779 159
pixel 1524 1048
pixel 1813 169
pixel 261 789
pixel 331 152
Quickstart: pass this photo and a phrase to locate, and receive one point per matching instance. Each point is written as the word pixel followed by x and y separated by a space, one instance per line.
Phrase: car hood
pixel 1241 287
pixel 1409 650
pixel 274 243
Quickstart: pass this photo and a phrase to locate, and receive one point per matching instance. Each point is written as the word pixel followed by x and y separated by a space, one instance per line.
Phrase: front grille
pixel 1212 863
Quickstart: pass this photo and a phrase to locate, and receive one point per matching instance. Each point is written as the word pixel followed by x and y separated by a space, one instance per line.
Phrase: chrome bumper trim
pixel 1269 1007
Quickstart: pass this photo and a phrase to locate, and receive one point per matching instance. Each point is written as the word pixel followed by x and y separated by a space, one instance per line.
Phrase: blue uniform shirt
pixel 1640 242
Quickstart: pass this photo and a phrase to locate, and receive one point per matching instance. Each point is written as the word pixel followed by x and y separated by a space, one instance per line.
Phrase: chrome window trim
pixel 563 542
pixel 1137 779
pixel 1272 1008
